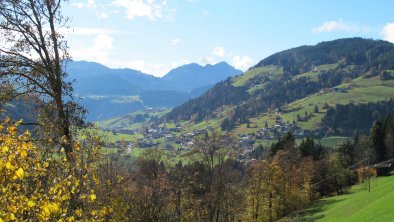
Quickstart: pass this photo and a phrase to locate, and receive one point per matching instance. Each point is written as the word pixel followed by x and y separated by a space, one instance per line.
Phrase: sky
pixel 155 36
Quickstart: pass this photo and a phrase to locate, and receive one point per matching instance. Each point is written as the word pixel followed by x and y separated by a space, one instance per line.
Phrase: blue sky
pixel 155 36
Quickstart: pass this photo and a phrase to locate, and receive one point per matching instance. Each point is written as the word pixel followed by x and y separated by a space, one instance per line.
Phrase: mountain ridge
pixel 101 88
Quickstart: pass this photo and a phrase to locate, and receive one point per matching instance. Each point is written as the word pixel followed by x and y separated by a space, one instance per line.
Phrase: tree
pixel 325 106
pixel 226 125
pixel 38 189
pixel 287 142
pixel 381 141
pixel 263 185
pixel 218 176
pixel 346 150
pixel 377 141
pixel 33 56
pixel 316 110
pixel 307 147
pixel 344 177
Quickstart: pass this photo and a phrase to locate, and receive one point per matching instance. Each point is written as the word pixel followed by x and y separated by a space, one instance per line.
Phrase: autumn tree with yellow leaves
pixel 33 57
pixel 36 189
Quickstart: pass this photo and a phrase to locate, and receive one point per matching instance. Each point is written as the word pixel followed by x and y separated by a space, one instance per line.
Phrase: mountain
pixel 192 76
pixel 107 92
pixel 298 86
pixel 96 79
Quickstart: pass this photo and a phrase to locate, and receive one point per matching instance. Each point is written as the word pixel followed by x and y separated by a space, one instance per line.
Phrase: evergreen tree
pixel 307 147
pixel 378 145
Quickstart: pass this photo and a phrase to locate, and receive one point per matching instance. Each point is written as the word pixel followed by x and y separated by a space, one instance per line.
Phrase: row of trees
pixel 350 118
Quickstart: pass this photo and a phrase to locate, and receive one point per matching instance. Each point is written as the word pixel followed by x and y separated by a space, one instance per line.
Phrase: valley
pixel 202 111
pixel 246 117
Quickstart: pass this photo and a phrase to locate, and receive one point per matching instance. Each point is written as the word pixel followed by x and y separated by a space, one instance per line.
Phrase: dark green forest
pixel 351 119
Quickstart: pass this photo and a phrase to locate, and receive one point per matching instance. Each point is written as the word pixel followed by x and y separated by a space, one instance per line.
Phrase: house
pixel 170 138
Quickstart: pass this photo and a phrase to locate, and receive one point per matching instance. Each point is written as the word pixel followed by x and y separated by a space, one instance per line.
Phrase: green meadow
pixel 357 206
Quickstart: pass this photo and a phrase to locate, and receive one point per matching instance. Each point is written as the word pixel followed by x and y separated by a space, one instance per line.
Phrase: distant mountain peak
pixel 193 75
pixel 222 63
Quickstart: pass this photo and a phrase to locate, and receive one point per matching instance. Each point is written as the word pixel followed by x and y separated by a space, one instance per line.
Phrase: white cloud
pixel 102 10
pixel 388 32
pixel 158 70
pixel 90 4
pixel 142 8
pixel 103 42
pixel 175 41
pixel 155 69
pixel 218 51
pixel 242 62
pixel 206 60
pixel 151 9
pixel 136 64
pixel 98 52
pixel 205 12
pixel 332 26
pixel 78 5
pixel 102 15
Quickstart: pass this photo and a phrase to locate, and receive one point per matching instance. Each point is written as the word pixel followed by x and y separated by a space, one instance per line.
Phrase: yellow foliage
pixel 4 149
pixel 31 203
pixel 78 212
pixel 19 173
pixel 42 189
pixel 23 154
pixel 92 197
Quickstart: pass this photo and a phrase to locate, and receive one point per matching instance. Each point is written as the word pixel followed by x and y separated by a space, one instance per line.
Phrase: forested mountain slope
pixel 346 68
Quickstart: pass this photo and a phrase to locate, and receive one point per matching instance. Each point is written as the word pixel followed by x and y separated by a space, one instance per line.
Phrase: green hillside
pixel 359 90
pixel 358 205
pixel 297 86
pixel 131 121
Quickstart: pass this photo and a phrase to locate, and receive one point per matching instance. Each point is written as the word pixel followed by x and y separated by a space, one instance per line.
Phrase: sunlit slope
pixel 358 205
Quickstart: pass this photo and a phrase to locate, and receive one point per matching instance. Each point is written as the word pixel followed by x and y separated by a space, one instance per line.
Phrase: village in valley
pixel 177 139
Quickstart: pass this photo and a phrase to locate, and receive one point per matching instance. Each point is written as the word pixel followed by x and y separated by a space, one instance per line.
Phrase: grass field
pixel 126 121
pixel 359 205
pixel 359 91
pixel 270 71
pixel 332 141
pixel 313 75
pixel 111 137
